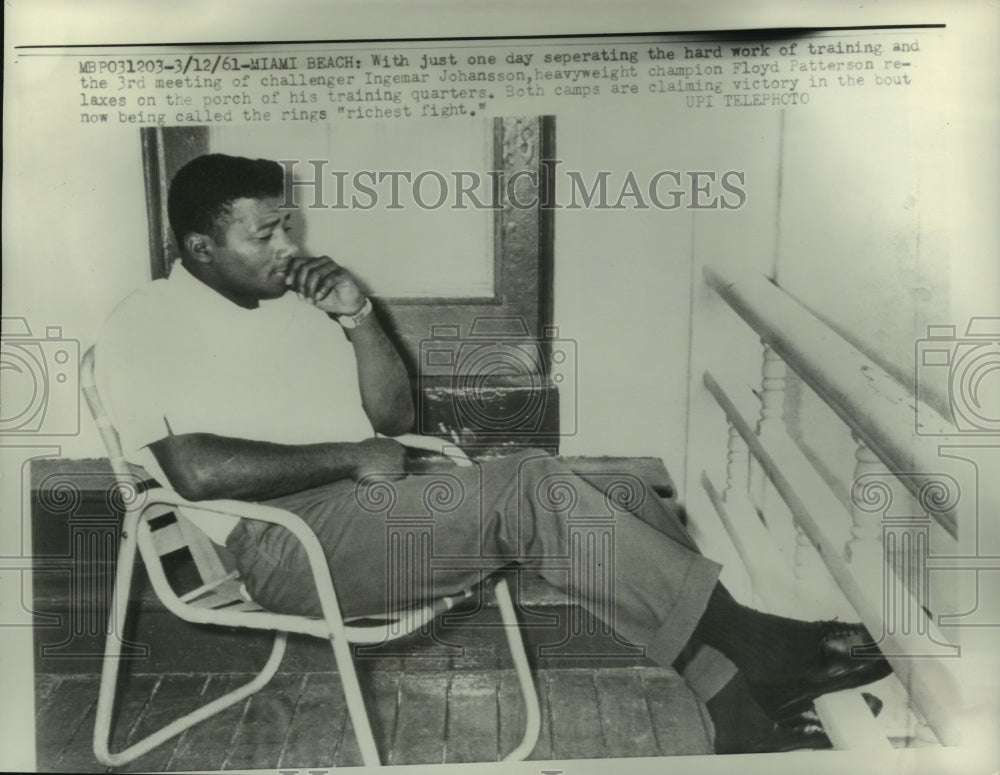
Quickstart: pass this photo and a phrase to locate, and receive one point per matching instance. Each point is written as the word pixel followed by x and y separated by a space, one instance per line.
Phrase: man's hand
pixel 323 282
pixel 381 458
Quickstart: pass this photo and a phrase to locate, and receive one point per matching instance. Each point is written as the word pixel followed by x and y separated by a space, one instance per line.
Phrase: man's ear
pixel 200 247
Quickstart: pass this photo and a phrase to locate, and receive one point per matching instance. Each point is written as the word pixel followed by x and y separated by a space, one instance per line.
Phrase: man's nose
pixel 287 247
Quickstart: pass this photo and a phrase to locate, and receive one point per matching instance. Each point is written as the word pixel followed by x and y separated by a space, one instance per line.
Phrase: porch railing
pixel 791 528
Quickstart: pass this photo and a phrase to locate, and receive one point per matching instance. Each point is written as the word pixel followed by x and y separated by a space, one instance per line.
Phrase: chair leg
pixel 112 646
pixel 533 716
pixel 112 665
pixel 355 702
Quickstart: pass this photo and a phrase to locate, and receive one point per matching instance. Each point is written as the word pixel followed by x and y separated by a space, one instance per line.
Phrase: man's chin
pixel 274 291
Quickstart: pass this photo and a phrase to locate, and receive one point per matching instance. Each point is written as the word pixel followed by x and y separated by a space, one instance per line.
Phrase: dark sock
pixel 761 645
pixel 740 723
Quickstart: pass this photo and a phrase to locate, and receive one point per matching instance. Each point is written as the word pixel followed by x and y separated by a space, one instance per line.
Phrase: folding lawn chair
pixel 154 525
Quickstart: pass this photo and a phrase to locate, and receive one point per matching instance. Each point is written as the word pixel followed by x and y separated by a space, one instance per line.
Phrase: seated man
pixel 225 385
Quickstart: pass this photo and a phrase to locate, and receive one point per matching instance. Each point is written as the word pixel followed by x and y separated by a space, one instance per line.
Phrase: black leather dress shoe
pixel 803 732
pixel 846 657
pixel 799 734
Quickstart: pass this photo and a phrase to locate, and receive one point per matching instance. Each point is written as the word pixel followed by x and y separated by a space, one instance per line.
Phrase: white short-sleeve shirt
pixel 177 356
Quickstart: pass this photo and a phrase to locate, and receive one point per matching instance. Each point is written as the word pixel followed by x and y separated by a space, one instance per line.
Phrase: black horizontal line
pixel 765 32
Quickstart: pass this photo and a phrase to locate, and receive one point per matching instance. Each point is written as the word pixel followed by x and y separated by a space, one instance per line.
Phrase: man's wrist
pixel 354 320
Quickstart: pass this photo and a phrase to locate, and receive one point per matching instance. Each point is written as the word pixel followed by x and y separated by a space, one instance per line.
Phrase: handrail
pixel 869 401
pixel 931 683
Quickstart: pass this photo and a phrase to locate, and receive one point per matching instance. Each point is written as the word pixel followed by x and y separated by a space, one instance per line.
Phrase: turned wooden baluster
pixel 810 578
pixel 777 517
pixel 737 468
pixel 770 577
pixel 741 511
pixel 772 396
pixel 866 532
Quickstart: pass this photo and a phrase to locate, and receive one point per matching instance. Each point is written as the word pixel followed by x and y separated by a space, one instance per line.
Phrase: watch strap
pixel 352 321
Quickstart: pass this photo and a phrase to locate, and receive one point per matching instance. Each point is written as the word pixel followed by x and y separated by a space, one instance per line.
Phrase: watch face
pixel 352 321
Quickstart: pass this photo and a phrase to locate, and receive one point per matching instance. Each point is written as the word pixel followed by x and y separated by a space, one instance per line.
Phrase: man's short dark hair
pixel 203 190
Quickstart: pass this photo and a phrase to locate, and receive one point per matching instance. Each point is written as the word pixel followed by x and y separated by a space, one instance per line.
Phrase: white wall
pixel 624 281
pixel 622 278
pixel 861 238
pixel 417 250
pixel 74 223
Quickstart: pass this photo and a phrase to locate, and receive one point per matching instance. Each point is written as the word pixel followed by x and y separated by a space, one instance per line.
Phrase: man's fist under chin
pixel 321 281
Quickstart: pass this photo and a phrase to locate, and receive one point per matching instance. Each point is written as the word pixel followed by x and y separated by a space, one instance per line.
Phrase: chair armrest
pixel 229 507
pixel 298 526
pixel 444 447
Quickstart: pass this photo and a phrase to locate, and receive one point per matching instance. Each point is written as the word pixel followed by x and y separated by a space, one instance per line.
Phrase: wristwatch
pixel 352 321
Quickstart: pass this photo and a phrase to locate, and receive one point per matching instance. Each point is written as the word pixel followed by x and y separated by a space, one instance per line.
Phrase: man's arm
pixel 385 386
pixel 203 466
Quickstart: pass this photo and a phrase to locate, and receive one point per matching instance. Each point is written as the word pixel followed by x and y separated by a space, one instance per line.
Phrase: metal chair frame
pixel 221 599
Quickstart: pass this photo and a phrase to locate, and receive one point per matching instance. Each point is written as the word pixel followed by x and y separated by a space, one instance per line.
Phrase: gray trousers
pixel 606 539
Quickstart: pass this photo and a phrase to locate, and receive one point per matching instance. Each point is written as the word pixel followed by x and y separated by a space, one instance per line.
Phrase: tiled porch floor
pixel 300 720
